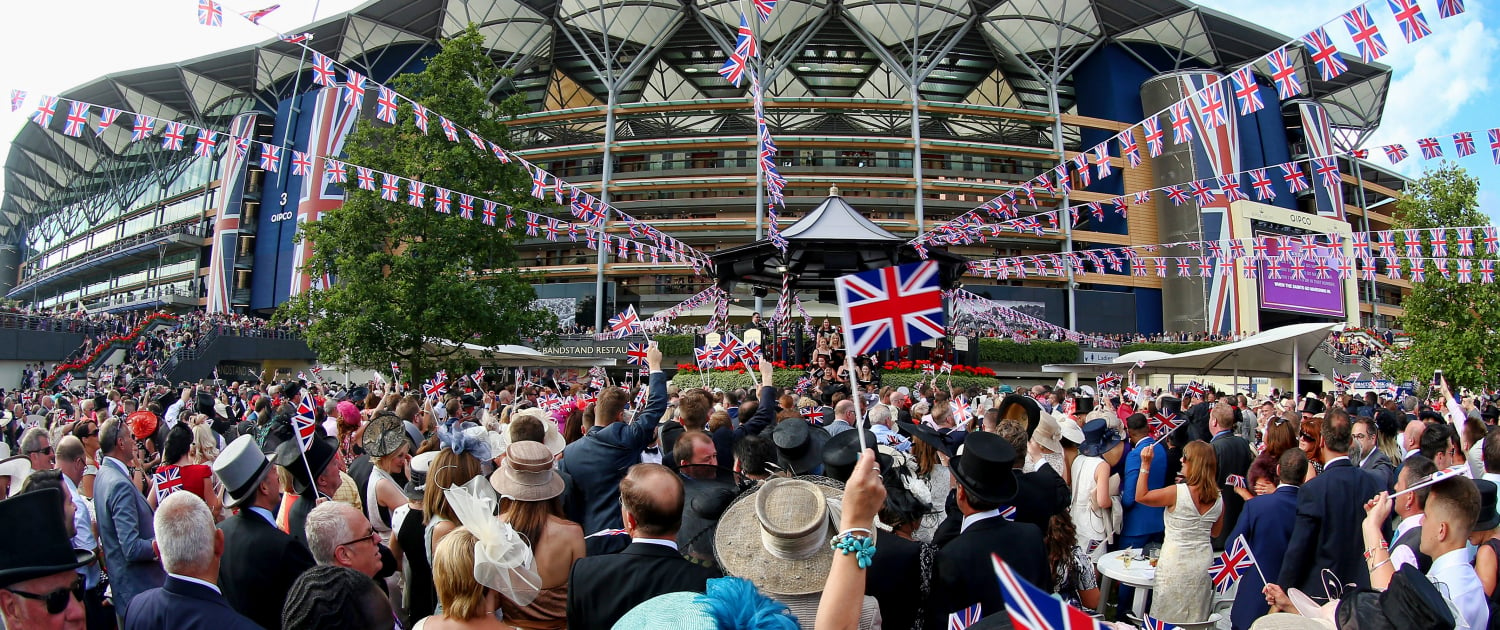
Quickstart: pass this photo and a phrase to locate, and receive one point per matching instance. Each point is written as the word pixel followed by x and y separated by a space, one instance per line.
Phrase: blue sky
pixel 1441 83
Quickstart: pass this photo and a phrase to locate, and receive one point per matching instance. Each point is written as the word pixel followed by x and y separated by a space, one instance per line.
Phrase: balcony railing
pixel 131 242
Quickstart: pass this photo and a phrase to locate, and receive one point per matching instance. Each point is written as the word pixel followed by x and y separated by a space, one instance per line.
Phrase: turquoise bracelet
pixel 863 547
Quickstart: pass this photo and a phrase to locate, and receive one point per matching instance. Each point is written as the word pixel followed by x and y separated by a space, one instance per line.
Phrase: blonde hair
pixel 453 574
pixel 1200 470
pixel 205 448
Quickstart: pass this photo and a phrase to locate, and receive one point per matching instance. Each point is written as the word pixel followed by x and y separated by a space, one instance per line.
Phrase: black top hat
pixel 926 434
pixel 799 446
pixel 322 451
pixel 1083 404
pixel 36 543
pixel 984 468
pixel 841 453
pixel 1169 405
pixel 1098 438
pixel 1488 517
pixel 1033 410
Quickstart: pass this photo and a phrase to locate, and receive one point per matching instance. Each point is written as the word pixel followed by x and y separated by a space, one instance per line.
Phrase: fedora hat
pixel 36 541
pixel 984 468
pixel 384 435
pixel 1033 410
pixel 799 447
pixel 319 454
pixel 527 473
pixel 841 452
pixel 17 468
pixel 239 468
pixel 777 536
pixel 416 475
pixel 1098 438
pixel 1488 517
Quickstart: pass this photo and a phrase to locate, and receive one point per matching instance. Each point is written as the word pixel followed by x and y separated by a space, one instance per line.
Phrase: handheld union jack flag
pixel 635 353
pixel 304 422
pixel 1324 54
pixel 1409 16
pixel 1162 423
pixel 1236 481
pixel 434 387
pixel 729 349
pixel 626 323
pixel 210 13
pixel 891 307
pixel 168 479
pixel 1231 565
pixel 1284 74
pixel 1031 608
pixel 1107 380
pixel 965 618
pixel 1152 623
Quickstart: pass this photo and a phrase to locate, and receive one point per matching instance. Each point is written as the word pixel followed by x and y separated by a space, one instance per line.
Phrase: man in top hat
pixel 190 548
pixel 124 520
pixel 39 589
pixel 324 465
pixel 963 573
pixel 799 447
pixel 260 562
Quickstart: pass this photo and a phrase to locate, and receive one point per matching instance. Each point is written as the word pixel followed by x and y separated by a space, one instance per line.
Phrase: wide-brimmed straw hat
pixel 777 536
pixel 527 473
pixel 500 440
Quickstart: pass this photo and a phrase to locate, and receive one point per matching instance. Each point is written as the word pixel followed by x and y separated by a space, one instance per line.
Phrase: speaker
pixel 759 292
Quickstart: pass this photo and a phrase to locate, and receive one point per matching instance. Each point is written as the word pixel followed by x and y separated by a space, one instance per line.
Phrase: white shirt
pixel 656 541
pixel 206 584
pixel 976 517
pixel 1402 554
pixel 171 416
pixel 1459 584
pixel 83 531
pixel 651 458
pixel 1491 477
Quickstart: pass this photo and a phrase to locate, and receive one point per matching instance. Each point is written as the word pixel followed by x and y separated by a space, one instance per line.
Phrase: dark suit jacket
pixel 1234 456
pixel 1040 495
pixel 601 589
pixel 894 579
pixel 598 461
pixel 963 573
pixel 1330 509
pixel 1266 523
pixel 259 565
pixel 1380 465
pixel 183 605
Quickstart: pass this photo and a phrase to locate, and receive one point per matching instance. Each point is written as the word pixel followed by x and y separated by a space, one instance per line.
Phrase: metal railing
pixel 47 323
pixel 83 260
pixel 1346 358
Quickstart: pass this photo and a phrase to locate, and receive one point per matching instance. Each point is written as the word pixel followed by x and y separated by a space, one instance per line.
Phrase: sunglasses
pixel 42 451
pixel 356 541
pixel 57 601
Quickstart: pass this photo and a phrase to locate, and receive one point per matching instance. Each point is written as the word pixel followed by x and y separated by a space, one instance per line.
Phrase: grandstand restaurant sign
pixel 609 348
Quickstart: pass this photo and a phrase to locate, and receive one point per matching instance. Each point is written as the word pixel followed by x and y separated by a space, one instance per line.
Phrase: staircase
pixel 100 351
pixel 1327 360
pixel 216 346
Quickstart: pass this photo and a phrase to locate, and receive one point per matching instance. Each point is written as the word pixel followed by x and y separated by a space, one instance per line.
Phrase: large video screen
pixel 1309 294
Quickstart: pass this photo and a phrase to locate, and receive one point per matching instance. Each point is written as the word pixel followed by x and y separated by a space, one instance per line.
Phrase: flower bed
pixel 102 346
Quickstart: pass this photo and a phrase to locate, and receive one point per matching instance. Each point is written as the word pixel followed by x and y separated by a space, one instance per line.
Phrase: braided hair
pixel 329 597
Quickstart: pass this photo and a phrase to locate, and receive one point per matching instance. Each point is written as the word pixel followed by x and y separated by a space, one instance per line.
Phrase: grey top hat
pixel 239 468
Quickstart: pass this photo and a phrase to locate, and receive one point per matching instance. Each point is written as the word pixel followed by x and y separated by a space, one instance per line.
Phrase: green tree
pixel 405 275
pixel 1453 326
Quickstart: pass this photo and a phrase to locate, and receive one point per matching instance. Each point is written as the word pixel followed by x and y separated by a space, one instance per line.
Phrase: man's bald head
pixel 651 499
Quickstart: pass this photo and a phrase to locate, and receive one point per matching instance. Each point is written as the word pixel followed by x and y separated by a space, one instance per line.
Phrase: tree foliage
pixel 407 275
pixel 1453 326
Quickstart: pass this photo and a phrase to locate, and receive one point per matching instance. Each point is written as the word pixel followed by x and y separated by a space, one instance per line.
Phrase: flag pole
pixel 859 414
pixel 311 479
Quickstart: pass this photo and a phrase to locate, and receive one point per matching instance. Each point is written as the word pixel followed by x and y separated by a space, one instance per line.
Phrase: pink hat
pixel 348 413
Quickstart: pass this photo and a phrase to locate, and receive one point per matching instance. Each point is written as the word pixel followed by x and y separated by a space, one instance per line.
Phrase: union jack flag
pixel 304 422
pixel 1230 184
pixel 729 349
pixel 487 215
pixel 173 135
pixel 441 200
pixel 1230 565
pixel 734 68
pixel 203 145
pixel 301 164
pixel 635 353
pixel 704 356
pixel 744 40
pixel 385 105
pixel 1324 54
pixel 1129 148
pixel 626 323
pixel 1176 195
pixel 1495 145
pixel 270 155
pixel 763 8
pixel 1284 74
pixel 1463 144
pixel 365 177
pixel 390 187
pixel 17 99
pixel 1203 193
pixel 354 89
pixel 256 15
pixel 322 68
pixel 1101 161
pixel 1366 37
pixel 1295 180
pixel 1431 149
pixel 420 113
pixel 1449 8
pixel 434 387
pixel 107 116
pixel 1211 112
pixel 1031 608
pixel 499 153
pixel 168 479
pixel 891 307
pixel 449 129
pixel 1182 123
pixel 1162 424
pixel 532 224
pixel 1246 91
pixel 466 206
pixel 210 13
pixel 334 171
pixel 1262 185
pixel 296 39
pixel 1142 197
pixel 1409 16
pixel 1152 623
pixel 78 118
pixel 1394 152
pixel 1328 169
pixel 1152 128
pixel 1236 481
pixel 45 110
pixel 964 618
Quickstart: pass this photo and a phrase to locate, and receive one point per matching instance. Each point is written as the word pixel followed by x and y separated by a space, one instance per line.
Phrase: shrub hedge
pixel 994 350
pixel 788 378
pixel 1169 348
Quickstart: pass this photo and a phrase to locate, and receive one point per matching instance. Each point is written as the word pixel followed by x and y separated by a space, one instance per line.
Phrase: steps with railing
pixel 100 350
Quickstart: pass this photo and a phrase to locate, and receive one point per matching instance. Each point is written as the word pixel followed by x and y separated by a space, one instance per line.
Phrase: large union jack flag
pixel 1230 565
pixel 891 307
pixel 168 479
pixel 1032 608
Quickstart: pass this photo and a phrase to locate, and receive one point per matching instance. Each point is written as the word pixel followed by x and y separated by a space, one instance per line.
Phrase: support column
pixel 1057 145
pixel 916 155
pixel 609 171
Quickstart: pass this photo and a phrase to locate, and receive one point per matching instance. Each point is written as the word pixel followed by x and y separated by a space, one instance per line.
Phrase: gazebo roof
pixel 836 220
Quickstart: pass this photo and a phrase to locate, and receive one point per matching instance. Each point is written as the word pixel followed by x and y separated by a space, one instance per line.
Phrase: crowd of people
pixel 504 502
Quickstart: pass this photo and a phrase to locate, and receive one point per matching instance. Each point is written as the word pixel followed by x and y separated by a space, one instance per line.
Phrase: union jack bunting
pixel 499 153
pixel 1409 16
pixel 1394 152
pixel 1031 608
pixel 744 40
pixel 390 187
pixel 1230 185
pixel 17 99
pixel 296 39
pixel 734 68
pixel 1128 148
pixel 1284 74
pixel 1430 147
pixel 891 307
pixel 210 13
pixel 1101 161
pixel 203 145
pixel 1182 123
pixel 45 110
pixel 172 137
pixel 1262 185
pixel 270 156
pixel 1449 8
pixel 419 113
pixel 1230 565
pixel 1142 197
pixel 763 8
pixel 466 206
pixel 449 129
pixel 1465 270
pixel 1295 180
pixel 1152 129
pixel 474 138
pixel 77 119
pixel 1328 169
pixel 1439 242
pixel 107 117
pixel 532 224
pixel 965 618
pixel 1203 193
pixel 1211 111
pixel 1366 37
pixel 322 68
pixel 1064 183
pixel 1463 144
pixel 1487 272
pixel 416 193
pixel 167 479
pixel 441 201
pixel 385 105
pixel 487 215
pixel 334 171
pixel 1495 145
pixel 1324 55
pixel 1176 195
pixel 364 177
pixel 1246 91
pixel 301 163
pixel 354 89
pixel 1465 241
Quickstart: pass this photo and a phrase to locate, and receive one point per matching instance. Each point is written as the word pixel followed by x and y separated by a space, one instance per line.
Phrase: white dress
pixel 1184 591
pixel 1095 527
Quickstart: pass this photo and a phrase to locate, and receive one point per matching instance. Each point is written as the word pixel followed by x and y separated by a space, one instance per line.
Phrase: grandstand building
pixel 916 111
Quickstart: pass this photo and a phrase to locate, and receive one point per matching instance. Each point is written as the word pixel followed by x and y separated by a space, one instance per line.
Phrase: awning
pixel 518 356
pixel 1269 354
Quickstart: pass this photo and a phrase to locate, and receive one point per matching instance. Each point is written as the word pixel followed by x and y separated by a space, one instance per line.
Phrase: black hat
pixel 841 453
pixel 984 468
pixel 1169 405
pixel 36 542
pixel 926 434
pixel 1083 404
pixel 1488 517
pixel 1098 438
pixel 799 446
pixel 1033 410
pixel 359 394
pixel 322 451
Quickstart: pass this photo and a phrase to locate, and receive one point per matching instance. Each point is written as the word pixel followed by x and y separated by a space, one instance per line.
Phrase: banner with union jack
pixel 225 250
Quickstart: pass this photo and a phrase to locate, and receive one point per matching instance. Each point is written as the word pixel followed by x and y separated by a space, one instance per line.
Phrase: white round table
pixel 1139 574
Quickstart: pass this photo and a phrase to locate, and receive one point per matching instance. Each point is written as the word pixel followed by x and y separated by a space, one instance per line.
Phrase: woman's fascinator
pixel 502 560
pixel 465 437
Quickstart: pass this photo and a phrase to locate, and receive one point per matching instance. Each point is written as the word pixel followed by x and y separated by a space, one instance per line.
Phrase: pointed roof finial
pixel 833 190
